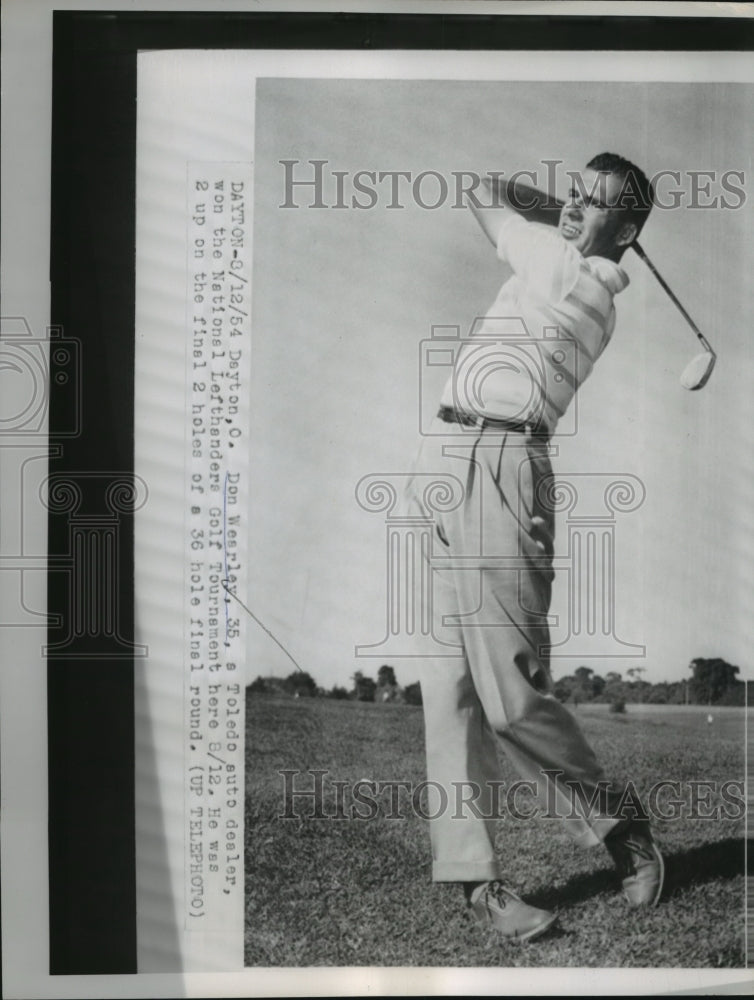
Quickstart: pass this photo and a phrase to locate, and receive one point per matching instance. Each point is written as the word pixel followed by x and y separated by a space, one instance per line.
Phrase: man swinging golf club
pixel 492 432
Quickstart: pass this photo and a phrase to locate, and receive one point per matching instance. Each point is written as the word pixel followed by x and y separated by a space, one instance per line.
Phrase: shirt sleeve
pixel 539 256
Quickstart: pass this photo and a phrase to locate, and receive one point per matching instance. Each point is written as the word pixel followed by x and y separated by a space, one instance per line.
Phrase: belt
pixel 453 416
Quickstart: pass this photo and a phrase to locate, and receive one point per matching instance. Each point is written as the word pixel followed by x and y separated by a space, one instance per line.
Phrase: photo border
pixel 92 190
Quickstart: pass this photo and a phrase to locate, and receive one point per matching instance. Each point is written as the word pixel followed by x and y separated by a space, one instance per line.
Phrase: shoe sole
pixel 529 935
pixel 661 886
pixel 536 931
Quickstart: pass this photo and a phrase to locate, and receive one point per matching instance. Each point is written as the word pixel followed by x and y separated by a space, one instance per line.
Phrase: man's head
pixel 607 206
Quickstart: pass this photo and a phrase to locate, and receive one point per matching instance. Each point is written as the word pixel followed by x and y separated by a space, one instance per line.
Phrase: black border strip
pixel 129 31
pixel 90 680
pixel 90 693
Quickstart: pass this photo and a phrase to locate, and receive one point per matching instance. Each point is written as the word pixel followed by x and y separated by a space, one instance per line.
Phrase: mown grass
pixel 340 892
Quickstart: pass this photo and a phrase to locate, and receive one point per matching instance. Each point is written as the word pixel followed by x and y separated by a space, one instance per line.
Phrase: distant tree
pixel 268 686
pixel 658 694
pixel 587 685
pixel 677 693
pixel 338 692
pixel 564 687
pixel 300 683
pixel 735 695
pixel 711 679
pixel 386 676
pixel 387 685
pixel 363 687
pixel 413 694
pixel 640 691
pixel 615 688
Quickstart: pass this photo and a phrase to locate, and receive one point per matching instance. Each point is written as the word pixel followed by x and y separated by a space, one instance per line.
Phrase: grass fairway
pixel 340 892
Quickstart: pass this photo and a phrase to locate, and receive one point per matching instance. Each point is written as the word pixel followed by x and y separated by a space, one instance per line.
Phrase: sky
pixel 344 297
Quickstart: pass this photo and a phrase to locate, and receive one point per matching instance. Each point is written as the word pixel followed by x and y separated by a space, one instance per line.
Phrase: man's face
pixel 591 218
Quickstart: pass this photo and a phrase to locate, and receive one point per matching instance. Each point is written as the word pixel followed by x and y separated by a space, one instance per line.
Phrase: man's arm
pixel 499 196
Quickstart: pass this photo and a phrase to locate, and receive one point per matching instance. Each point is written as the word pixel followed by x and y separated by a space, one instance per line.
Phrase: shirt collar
pixel 608 272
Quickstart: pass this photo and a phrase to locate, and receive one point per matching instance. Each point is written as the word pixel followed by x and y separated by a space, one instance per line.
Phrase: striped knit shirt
pixel 539 341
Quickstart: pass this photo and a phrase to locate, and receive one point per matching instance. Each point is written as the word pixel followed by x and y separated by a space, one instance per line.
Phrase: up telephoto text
pixel 314 795
pixel 315 183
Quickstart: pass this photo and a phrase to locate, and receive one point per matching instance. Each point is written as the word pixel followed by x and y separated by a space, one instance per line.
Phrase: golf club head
pixel 698 370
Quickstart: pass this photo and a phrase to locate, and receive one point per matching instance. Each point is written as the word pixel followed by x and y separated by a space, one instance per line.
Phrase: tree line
pixel 712 682
pixel 385 689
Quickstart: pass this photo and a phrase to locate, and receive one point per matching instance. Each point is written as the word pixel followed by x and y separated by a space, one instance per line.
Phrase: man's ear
pixel 627 235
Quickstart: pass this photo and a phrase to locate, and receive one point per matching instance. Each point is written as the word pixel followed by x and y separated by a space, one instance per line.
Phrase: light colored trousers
pixel 492 601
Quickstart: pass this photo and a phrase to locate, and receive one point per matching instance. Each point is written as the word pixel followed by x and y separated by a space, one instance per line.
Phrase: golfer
pixel 512 381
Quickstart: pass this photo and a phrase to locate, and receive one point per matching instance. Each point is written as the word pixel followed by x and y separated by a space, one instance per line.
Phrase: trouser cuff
pixel 596 832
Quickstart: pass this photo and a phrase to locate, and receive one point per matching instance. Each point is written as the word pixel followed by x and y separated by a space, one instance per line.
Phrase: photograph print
pixel 497 529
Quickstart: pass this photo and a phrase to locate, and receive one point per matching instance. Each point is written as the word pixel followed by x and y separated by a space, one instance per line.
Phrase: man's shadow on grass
pixel 722 859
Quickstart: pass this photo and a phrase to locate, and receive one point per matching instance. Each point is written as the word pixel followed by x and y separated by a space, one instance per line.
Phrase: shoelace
pixel 625 852
pixel 637 847
pixel 500 893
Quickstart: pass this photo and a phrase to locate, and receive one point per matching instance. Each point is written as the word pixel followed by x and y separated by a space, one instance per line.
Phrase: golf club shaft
pixel 705 343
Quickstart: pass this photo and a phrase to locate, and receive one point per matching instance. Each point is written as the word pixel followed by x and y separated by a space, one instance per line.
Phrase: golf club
pixel 698 370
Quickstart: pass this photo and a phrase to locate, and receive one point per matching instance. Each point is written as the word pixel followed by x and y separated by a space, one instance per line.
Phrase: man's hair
pixel 637 194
